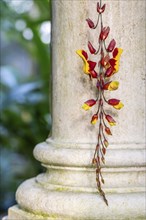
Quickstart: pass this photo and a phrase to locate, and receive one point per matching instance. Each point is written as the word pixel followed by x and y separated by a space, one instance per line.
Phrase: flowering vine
pixel 107 66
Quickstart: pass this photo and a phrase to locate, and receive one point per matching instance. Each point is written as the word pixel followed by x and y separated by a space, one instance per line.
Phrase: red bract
pixel 100 9
pixel 104 150
pixel 90 102
pixel 104 33
pixel 93 74
pixel 91 65
pixel 108 131
pixel 94 119
pixel 110 120
pixel 109 71
pixel 105 60
pixel 105 86
pixel 112 62
pixel 91 48
pixel 90 23
pixel 111 45
pixel 115 52
pixel 85 54
pixel 113 102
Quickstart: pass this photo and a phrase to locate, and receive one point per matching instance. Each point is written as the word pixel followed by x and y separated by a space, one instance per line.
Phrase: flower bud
pixel 104 33
pixel 94 119
pixel 88 104
pixel 91 48
pixel 90 23
pixel 100 9
pixel 111 45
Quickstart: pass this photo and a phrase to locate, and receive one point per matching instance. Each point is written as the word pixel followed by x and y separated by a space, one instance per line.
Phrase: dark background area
pixel 25 85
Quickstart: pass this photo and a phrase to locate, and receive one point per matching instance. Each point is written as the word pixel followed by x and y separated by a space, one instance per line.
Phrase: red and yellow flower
pixel 94 119
pixel 116 103
pixel 115 61
pixel 89 65
pixel 110 120
pixel 88 104
pixel 111 86
pixel 112 66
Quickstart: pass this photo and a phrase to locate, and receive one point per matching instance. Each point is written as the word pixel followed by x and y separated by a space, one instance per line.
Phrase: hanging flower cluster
pixel 102 72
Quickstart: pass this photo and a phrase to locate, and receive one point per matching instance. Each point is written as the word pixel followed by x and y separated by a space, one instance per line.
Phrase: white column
pixel 67 190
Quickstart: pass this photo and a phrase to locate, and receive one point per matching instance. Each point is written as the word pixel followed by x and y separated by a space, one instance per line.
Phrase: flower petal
pixel 93 74
pixel 105 60
pixel 88 104
pixel 111 45
pixel 111 86
pixel 84 57
pixel 94 119
pixel 86 107
pixel 91 65
pixel 91 102
pixel 110 120
pixel 113 102
pixel 100 9
pixel 82 54
pixel 117 53
pixel 104 33
pixel 91 48
pixel 103 7
pixel 86 67
pixel 109 71
pixel 108 131
pixel 119 106
pixel 112 62
pixel 90 23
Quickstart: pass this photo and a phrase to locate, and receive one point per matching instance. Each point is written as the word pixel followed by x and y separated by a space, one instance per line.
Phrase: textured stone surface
pixel 67 191
pixel 71 87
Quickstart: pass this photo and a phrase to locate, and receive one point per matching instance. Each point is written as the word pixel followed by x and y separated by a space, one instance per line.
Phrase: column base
pixel 38 203
pixel 15 213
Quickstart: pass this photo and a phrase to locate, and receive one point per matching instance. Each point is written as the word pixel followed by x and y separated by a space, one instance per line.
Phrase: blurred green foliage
pixel 25 88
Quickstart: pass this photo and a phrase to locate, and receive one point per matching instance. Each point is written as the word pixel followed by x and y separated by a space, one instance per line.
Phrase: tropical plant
pixel 108 65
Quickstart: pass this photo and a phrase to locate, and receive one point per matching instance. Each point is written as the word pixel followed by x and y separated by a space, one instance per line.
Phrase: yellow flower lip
pixel 94 119
pixel 84 57
pixel 119 106
pixel 112 123
pixel 110 120
pixel 117 54
pixel 88 104
pixel 88 65
pixel 86 107
pixel 111 86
